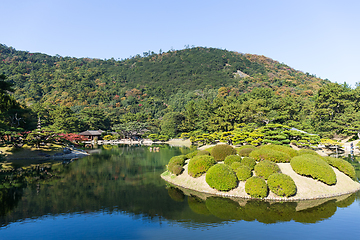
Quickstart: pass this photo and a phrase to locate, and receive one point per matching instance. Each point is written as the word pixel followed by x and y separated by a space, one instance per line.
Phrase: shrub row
pixel 200 164
pixel 220 152
pixel 176 164
pixel 315 167
pixel 341 165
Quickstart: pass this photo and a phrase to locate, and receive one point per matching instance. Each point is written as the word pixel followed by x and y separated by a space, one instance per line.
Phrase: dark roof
pixel 91 133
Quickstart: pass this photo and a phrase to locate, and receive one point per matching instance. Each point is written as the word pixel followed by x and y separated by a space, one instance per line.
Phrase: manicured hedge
pixel 341 165
pixel 248 161
pixel 176 164
pixel 281 148
pixel 307 151
pixel 235 165
pixel 221 177
pixel 220 152
pixel 245 150
pixel 203 152
pixel 265 168
pixel 312 166
pixel 191 155
pixel 282 185
pixel 243 173
pixel 270 154
pixel 198 165
pixel 231 159
pixel 256 187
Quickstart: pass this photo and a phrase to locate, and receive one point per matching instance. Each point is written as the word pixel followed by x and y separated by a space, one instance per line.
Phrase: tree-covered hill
pixel 195 90
pixel 84 81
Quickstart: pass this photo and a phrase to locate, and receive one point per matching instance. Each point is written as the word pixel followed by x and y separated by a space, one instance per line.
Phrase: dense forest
pixel 193 91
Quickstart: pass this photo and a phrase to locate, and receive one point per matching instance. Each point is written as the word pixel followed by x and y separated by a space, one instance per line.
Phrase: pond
pixel 118 194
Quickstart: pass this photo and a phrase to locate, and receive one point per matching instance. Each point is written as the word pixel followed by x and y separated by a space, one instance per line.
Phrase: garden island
pixel 270 172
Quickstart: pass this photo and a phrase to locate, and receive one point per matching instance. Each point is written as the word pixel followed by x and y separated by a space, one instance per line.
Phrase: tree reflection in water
pixel 127 180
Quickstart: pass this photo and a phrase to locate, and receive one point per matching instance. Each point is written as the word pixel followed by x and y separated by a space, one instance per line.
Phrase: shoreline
pixel 307 188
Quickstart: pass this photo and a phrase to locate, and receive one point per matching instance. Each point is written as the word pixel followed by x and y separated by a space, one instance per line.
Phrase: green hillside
pixel 202 90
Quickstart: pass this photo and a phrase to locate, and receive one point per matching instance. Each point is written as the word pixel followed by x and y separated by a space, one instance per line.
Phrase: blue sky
pixel 316 36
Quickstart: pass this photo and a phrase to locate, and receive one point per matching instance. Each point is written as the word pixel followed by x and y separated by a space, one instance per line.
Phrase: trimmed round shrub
pixel 282 185
pixel 248 161
pixel 341 165
pixel 312 166
pixel 270 154
pixel 203 152
pixel 235 165
pixel 191 155
pixel 281 148
pixel 231 159
pixel 245 152
pixel 198 165
pixel 265 168
pixel 220 152
pixel 176 164
pixel 243 173
pixel 256 187
pixel 245 146
pixel 307 151
pixel 221 177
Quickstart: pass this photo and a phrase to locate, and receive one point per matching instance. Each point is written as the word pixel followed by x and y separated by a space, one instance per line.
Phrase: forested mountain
pixel 191 90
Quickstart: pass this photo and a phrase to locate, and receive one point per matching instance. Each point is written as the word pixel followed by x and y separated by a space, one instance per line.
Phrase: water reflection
pixel 127 180
pixel 309 211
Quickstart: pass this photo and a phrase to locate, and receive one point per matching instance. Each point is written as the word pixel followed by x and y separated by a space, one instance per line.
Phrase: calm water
pixel 118 194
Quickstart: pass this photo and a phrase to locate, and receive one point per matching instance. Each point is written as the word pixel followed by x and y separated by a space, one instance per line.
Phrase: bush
pixel 203 152
pixel 245 152
pixel 220 152
pixel 191 155
pixel 248 161
pixel 235 165
pixel 176 164
pixel 315 167
pixel 231 159
pixel 282 185
pixel 243 172
pixel 281 148
pixel 199 165
pixel 256 187
pixel 265 168
pixel 270 154
pixel 307 151
pixel 245 147
pixel 221 177
pixel 341 165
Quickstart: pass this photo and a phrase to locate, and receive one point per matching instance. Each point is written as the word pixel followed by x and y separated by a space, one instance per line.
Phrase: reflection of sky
pixel 102 225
